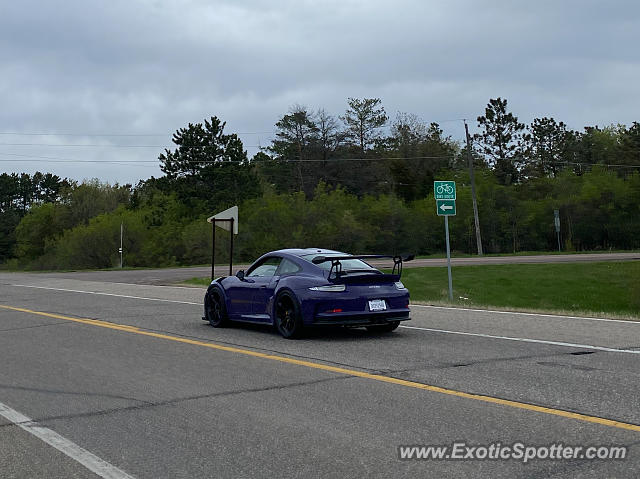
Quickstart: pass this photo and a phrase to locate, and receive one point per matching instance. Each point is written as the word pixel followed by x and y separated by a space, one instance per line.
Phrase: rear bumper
pixel 360 319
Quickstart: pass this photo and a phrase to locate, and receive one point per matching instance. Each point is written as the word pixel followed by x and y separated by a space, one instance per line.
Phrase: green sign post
pixel 445 195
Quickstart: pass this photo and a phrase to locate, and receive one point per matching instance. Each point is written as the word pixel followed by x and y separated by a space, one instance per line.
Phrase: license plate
pixel 377 305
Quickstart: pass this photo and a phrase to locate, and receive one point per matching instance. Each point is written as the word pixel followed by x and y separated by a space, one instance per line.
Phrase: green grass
pixel 458 254
pixel 610 289
pixel 198 281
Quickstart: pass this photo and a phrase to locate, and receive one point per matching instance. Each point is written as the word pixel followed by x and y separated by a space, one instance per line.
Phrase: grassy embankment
pixel 610 289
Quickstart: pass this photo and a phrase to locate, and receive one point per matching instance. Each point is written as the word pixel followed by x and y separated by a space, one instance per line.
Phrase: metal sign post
pixel 213 250
pixel 556 220
pixel 120 249
pixel 213 244
pixel 445 195
pixel 228 220
pixel 232 220
pixel 446 229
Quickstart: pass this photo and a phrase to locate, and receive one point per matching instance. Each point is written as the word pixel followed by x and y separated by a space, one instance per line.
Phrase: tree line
pixel 357 182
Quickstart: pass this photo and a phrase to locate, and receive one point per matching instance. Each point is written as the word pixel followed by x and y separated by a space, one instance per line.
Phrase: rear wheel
pixel 216 312
pixel 384 328
pixel 288 320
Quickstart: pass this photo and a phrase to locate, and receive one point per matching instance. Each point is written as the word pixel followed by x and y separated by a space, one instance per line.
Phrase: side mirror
pixel 240 275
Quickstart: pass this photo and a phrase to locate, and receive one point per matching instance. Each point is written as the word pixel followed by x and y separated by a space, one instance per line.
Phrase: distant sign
pixel 223 219
pixel 446 207
pixel 444 190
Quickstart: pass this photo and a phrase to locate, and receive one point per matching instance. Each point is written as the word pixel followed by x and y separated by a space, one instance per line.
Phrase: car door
pixel 260 279
pixel 239 297
pixel 263 294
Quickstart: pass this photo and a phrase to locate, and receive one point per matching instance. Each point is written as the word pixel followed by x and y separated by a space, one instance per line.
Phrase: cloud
pixel 150 67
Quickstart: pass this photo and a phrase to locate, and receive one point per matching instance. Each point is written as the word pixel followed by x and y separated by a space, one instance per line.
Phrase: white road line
pixel 463 333
pixel 526 340
pixel 108 294
pixel 518 313
pixel 559 316
pixel 194 287
pixel 92 462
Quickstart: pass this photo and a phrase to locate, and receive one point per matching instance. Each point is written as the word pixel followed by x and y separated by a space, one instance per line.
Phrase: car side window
pixel 266 268
pixel 288 267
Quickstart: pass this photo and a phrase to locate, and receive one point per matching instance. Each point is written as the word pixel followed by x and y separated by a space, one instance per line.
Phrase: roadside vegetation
pixel 606 288
pixel 340 183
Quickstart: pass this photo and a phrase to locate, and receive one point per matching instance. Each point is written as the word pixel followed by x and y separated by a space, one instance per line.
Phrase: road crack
pixel 171 402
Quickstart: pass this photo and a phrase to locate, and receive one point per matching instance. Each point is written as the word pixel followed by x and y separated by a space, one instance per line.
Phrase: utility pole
pixel 556 214
pixel 121 234
pixel 473 189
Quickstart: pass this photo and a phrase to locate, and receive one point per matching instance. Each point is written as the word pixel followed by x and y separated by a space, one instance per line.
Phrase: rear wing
pixel 336 266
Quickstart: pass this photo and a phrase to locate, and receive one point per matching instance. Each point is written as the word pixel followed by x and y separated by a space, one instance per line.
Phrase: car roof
pixel 306 251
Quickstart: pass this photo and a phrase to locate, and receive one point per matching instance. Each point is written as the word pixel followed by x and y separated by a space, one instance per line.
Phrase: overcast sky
pixel 80 70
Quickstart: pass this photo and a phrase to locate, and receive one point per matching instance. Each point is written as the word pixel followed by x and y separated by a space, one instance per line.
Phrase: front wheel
pixel 384 328
pixel 288 320
pixel 216 313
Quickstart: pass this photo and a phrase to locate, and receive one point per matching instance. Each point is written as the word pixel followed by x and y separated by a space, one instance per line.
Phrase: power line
pixel 591 164
pixel 272 161
pixel 111 145
pixel 319 160
pixel 55 159
pixel 87 135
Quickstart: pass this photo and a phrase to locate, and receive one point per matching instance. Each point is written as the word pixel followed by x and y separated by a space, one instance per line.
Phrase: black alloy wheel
pixel 288 321
pixel 216 311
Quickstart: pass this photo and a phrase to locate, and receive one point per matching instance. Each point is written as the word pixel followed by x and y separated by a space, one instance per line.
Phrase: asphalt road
pixel 128 379
pixel 167 276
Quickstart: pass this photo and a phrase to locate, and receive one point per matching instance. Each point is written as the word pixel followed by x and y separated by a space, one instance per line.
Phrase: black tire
pixel 384 328
pixel 215 310
pixel 288 320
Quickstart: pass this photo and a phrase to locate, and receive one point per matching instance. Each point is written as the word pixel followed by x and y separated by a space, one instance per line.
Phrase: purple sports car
pixel 293 289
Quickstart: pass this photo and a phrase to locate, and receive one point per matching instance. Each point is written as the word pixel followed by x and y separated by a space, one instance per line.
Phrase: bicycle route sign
pixel 445 194
pixel 444 190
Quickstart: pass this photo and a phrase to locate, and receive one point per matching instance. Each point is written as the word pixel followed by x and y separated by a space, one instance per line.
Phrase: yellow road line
pixel 345 371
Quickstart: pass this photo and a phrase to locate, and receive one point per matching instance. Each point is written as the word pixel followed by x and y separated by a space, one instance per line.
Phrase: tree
pixel 9 191
pixel 501 140
pixel 92 198
pixel 362 119
pixel 329 134
pixel 408 130
pixel 419 151
pixel 199 147
pixel 41 225
pixel 209 169
pixel 630 145
pixel 48 187
pixel 548 147
pixel 600 145
pixel 8 221
pixel 18 194
pixel 296 136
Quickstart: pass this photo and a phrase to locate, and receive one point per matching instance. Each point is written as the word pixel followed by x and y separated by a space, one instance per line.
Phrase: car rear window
pixel 347 264
pixel 288 267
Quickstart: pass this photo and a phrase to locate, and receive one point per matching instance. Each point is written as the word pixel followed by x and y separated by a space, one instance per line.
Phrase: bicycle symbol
pixel 447 188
